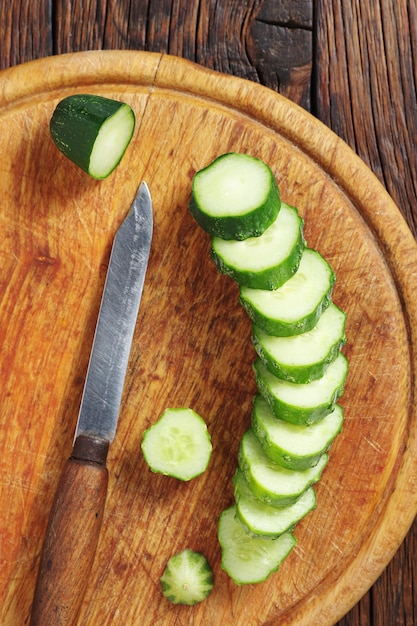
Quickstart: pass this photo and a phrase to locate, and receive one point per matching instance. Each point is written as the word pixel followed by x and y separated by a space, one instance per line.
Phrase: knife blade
pixel 76 516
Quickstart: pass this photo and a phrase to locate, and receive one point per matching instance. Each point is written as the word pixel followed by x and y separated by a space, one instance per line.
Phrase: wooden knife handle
pixel 72 535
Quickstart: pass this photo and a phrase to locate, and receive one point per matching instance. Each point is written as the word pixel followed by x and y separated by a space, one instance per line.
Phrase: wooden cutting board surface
pixel 192 344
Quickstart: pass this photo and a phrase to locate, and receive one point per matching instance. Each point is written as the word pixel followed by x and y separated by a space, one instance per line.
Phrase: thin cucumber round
pixel 187 578
pixel 306 403
pixel 248 559
pixel 303 358
pixel 178 444
pixel 235 197
pixel 92 131
pixel 292 446
pixel 267 261
pixel 270 482
pixel 264 520
pixel 297 305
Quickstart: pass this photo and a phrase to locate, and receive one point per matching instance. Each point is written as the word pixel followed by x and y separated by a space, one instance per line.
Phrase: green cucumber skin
pixel 277 498
pixel 266 279
pixel 296 373
pixel 278 454
pixel 296 415
pixel 244 494
pixel 280 328
pixel 237 227
pixel 242 569
pixel 75 124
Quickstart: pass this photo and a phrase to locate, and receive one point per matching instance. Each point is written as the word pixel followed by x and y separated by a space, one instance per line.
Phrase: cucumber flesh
pixel 178 444
pixel 248 559
pixel 92 131
pixel 292 446
pixel 264 520
pixel 235 197
pixel 303 358
pixel 307 403
pixel 297 305
pixel 267 261
pixel 187 578
pixel 270 482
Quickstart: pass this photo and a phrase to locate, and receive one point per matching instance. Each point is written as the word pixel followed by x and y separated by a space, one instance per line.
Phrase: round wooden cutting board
pixel 192 344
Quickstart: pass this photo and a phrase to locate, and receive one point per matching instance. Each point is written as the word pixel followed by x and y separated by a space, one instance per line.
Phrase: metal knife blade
pixel 122 293
pixel 77 512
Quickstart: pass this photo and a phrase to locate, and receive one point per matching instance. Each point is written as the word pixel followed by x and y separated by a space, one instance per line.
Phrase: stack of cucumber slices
pixel 298 334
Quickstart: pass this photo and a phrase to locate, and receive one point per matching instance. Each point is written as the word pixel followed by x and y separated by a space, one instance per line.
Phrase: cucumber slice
pixel 270 482
pixel 248 559
pixel 178 444
pixel 303 358
pixel 92 131
pixel 187 578
pixel 296 306
pixel 267 261
pixel 235 197
pixel 292 446
pixel 307 403
pixel 264 520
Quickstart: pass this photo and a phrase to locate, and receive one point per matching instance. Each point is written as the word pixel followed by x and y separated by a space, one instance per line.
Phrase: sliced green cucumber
pixel 267 261
pixel 248 559
pixel 270 482
pixel 187 578
pixel 297 305
pixel 306 403
pixel 178 444
pixel 303 358
pixel 235 197
pixel 292 446
pixel 92 131
pixel 265 520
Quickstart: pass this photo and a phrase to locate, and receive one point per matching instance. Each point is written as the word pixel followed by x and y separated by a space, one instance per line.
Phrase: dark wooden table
pixel 351 64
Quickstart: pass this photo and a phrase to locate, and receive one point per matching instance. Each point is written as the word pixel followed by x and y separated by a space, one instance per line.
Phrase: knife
pixel 74 524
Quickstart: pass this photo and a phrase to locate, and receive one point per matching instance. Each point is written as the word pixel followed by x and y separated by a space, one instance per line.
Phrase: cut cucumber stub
pixel 303 358
pixel 248 559
pixel 187 578
pixel 178 444
pixel 92 131
pixel 267 261
pixel 292 446
pixel 270 482
pixel 297 305
pixel 265 520
pixel 306 403
pixel 235 197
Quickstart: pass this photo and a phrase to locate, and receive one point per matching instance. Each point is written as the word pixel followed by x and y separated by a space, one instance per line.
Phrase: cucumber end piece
pixel 92 131
pixel 187 578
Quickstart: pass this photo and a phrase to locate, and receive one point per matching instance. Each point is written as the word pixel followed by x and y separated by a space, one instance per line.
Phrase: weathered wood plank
pixel 372 106
pixel 366 92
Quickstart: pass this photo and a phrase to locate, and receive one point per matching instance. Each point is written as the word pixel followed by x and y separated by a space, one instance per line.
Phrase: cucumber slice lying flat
pixel 269 481
pixel 267 261
pixel 187 578
pixel 292 446
pixel 265 520
pixel 303 358
pixel 296 306
pixel 178 444
pixel 235 197
pixel 248 559
pixel 92 131
pixel 306 403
